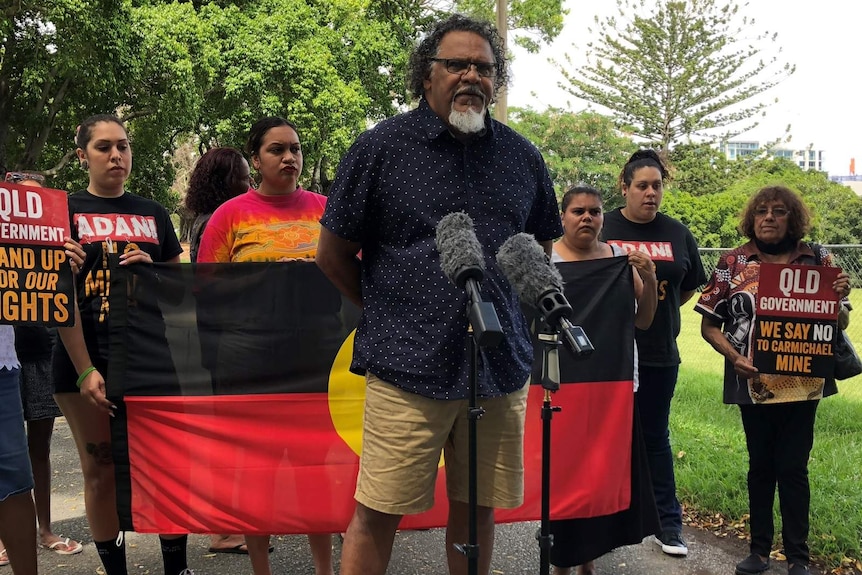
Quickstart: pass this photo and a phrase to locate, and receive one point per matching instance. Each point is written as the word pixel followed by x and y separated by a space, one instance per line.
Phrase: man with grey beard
pixel 392 188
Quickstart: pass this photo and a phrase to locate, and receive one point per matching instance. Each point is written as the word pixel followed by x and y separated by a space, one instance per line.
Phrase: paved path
pixel 415 553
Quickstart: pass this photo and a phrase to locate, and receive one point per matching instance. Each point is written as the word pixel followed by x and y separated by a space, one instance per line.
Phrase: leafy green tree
pixel 532 22
pixel 199 71
pixel 713 219
pixel 677 69
pixel 578 148
pixel 326 66
pixel 58 61
pixel 713 216
pixel 836 209
pixel 701 169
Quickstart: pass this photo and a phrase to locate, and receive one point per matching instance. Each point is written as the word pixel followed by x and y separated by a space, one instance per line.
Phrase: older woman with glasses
pixel 778 411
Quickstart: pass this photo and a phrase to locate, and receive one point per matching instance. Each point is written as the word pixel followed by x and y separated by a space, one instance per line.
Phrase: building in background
pixel 737 150
pixel 806 159
pixel 852 181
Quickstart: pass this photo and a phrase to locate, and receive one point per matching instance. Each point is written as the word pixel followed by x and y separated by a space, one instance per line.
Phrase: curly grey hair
pixel 421 58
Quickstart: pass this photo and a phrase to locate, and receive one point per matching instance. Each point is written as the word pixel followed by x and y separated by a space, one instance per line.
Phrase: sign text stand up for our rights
pixel 36 285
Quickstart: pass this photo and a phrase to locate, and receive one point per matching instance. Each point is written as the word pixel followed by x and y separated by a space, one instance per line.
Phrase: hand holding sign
pixel 75 253
pixel 135 257
pixel 744 368
pixel 841 285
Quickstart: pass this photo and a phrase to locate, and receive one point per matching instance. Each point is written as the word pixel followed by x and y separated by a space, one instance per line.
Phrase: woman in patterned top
pixel 778 411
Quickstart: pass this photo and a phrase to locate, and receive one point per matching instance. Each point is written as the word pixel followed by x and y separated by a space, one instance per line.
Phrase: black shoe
pixel 797 569
pixel 752 565
pixel 672 543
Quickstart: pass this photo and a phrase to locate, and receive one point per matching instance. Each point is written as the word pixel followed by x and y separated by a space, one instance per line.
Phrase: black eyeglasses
pixel 461 67
pixel 776 212
pixel 18 177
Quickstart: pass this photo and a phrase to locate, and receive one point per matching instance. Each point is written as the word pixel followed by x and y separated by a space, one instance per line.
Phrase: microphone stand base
pixel 469 551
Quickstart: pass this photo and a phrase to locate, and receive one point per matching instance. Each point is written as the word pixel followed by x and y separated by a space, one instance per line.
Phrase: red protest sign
pixel 36 285
pixel 32 215
pixel 795 326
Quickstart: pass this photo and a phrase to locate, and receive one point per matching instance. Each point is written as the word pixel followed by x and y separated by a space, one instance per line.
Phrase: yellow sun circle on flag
pixel 347 398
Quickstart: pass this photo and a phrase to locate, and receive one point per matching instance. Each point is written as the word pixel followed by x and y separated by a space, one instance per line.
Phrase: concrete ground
pixel 415 552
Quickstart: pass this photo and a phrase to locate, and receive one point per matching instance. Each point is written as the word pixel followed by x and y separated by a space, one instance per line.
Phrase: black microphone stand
pixel 550 340
pixel 483 330
pixel 556 330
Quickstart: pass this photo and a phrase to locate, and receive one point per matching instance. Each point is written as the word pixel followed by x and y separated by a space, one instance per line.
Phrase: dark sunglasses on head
pixel 18 177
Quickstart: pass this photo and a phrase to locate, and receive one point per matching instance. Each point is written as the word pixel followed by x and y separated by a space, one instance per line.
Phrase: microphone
pixel 463 263
pixel 540 285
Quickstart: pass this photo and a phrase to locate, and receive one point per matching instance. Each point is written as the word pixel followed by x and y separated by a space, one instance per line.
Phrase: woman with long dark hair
pixel 277 222
pixel 219 175
pixel 108 222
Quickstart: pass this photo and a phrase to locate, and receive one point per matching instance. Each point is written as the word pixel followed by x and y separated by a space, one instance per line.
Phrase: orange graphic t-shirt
pixel 256 228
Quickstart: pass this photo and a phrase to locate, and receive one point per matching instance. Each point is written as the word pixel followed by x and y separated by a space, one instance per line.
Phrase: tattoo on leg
pixel 101 453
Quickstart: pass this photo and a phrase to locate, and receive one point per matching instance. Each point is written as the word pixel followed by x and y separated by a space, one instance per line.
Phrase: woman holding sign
pixel 778 411
pixel 34 345
pixel 109 223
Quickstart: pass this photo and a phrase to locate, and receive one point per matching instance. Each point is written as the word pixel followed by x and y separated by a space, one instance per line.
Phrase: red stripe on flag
pixel 238 464
pixel 274 463
pixel 591 446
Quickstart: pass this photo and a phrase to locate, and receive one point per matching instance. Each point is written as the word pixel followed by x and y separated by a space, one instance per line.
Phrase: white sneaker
pixel 672 543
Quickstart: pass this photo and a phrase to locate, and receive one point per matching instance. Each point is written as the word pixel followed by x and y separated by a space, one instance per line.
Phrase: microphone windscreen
pixel 526 266
pixel 460 251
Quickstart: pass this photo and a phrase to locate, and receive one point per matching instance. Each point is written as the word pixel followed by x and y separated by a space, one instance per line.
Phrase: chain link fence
pixel 846 256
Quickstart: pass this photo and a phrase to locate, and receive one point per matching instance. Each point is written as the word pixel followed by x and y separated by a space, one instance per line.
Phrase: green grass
pixel 712 460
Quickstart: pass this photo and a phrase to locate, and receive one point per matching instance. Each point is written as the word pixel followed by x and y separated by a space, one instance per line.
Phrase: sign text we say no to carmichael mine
pixel 796 318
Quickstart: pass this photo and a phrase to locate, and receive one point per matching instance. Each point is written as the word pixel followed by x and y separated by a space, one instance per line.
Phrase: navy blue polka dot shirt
pixel 391 189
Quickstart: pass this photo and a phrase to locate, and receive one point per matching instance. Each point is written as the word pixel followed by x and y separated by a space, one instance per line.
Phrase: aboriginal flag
pixel 591 437
pixel 237 412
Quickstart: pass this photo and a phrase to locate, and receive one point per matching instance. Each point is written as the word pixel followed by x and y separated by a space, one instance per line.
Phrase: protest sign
pixel 36 286
pixel 795 327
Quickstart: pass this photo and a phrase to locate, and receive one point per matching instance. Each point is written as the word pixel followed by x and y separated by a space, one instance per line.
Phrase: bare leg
pixel 258 552
pixel 458 531
pixel 91 430
pixel 588 568
pixel 321 553
pixel 562 571
pixel 39 443
pixel 368 542
pixel 18 531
